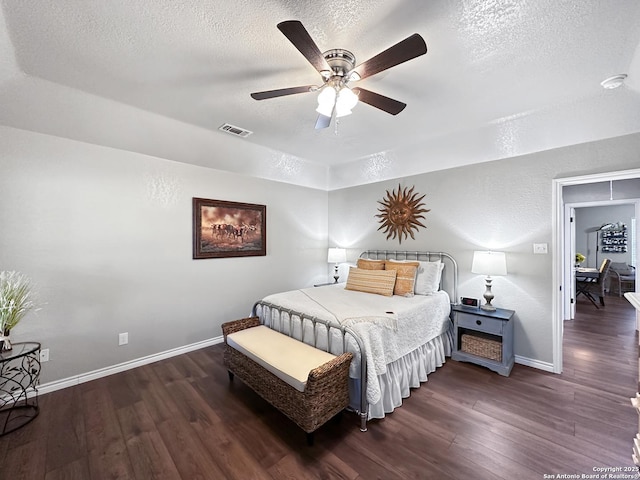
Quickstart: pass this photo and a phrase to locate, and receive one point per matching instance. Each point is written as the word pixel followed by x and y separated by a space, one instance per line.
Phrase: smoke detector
pixel 613 82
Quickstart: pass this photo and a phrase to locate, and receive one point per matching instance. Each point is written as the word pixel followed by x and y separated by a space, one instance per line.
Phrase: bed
pixel 396 340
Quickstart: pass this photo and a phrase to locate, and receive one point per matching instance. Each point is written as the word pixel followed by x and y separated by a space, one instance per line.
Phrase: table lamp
pixel 489 263
pixel 336 255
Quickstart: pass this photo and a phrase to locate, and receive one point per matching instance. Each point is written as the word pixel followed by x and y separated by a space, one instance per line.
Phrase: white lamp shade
pixel 489 263
pixel 326 110
pixel 337 255
pixel 326 101
pixel 341 112
pixel 345 102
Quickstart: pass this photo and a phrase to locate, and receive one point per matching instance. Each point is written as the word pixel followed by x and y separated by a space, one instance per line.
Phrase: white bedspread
pixel 389 327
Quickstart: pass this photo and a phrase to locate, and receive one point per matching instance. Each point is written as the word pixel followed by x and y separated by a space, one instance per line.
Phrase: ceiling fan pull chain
pixel 335 126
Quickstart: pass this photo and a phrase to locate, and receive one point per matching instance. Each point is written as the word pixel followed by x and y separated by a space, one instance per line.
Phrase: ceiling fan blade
pixel 386 104
pixel 282 92
pixel 298 35
pixel 409 48
pixel 322 122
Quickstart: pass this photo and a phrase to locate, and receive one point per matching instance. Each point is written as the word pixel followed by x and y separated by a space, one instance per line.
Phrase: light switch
pixel 540 248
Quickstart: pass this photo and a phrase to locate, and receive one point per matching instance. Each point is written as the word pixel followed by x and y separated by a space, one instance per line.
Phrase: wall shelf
pixel 614 240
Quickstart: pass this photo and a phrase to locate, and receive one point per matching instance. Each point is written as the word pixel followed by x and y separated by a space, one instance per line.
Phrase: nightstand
pixel 484 338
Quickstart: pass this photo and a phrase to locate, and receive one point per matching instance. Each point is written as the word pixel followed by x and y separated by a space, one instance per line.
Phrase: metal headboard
pixel 449 280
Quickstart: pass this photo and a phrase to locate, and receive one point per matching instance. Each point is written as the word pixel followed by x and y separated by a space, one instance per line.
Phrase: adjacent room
pixel 184 182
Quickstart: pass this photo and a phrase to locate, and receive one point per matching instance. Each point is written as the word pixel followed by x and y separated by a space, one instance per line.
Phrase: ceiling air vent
pixel 240 132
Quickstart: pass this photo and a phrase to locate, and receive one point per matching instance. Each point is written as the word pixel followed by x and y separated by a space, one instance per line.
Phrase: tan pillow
pixel 405 278
pixel 380 282
pixel 366 264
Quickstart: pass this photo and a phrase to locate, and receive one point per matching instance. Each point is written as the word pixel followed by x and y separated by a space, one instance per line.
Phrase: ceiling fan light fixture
pixel 325 110
pixel 326 101
pixel 342 112
pixel 337 67
pixel 346 100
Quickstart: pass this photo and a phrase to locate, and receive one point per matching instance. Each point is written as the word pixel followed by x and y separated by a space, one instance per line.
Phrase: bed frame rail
pixel 448 283
pixel 315 322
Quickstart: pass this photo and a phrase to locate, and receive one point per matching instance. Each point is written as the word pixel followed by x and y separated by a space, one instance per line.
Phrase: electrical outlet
pixel 123 338
pixel 540 248
pixel 44 355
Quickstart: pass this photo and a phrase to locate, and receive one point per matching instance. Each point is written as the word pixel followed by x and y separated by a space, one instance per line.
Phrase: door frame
pixel 569 305
pixel 568 302
pixel 559 255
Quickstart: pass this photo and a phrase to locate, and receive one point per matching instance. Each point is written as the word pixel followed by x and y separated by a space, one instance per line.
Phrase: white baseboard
pixel 530 362
pixel 121 367
pixel 138 362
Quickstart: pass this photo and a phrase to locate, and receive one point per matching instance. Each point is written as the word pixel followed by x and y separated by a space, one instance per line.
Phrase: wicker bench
pixel 308 385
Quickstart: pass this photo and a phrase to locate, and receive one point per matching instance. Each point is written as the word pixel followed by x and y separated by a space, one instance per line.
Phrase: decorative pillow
pixel 380 282
pixel 366 264
pixel 428 277
pixel 405 278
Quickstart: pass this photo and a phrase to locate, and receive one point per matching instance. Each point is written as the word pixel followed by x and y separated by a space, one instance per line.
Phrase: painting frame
pixel 223 229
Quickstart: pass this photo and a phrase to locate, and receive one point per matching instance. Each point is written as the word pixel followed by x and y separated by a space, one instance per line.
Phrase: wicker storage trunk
pixel 482 346
pixel 325 395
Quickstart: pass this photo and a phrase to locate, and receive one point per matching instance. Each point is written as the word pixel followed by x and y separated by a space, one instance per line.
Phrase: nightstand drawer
pixel 479 324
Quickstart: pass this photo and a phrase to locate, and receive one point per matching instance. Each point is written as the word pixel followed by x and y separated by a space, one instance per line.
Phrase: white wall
pixel 502 205
pixel 106 237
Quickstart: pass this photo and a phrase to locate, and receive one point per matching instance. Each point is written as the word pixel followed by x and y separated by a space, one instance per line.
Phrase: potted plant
pixel 16 300
pixel 579 259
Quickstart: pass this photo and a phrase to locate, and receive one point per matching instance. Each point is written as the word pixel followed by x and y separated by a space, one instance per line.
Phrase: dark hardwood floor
pixel 181 419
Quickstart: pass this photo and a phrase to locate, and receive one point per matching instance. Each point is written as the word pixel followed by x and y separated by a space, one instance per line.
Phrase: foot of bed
pixel 363 422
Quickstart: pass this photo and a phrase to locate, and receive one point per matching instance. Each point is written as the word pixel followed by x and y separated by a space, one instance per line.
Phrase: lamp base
pixel 488 296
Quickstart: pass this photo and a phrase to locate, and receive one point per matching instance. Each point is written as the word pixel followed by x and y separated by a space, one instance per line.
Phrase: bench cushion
pixel 288 359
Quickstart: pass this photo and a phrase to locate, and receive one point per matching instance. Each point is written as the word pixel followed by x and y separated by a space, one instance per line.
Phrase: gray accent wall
pixel 589 219
pixel 106 236
pixel 504 205
pixel 628 189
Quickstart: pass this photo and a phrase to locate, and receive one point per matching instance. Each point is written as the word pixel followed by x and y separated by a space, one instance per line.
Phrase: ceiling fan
pixel 337 68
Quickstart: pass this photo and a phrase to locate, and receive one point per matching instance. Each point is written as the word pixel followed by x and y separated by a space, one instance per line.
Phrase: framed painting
pixel 228 229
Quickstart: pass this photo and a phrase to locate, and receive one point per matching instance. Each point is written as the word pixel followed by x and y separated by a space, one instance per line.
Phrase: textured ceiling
pixel 501 77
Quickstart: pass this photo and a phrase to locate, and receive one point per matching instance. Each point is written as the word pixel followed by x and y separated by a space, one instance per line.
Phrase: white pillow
pixel 428 278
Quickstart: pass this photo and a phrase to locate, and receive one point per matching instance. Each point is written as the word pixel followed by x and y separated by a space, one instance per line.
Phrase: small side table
pixel 19 378
pixel 493 330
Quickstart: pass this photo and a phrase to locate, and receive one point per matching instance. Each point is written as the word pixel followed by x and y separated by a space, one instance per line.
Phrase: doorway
pixel 563 256
pixel 584 222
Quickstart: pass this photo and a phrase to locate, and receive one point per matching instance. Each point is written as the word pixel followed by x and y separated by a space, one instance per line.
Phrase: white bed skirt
pixel 404 374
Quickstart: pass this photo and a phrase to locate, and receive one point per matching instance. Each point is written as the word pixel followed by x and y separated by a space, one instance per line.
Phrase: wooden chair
pixel 590 287
pixel 623 277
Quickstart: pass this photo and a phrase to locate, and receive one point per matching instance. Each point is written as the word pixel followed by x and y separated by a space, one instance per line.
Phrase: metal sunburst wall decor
pixel 400 213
